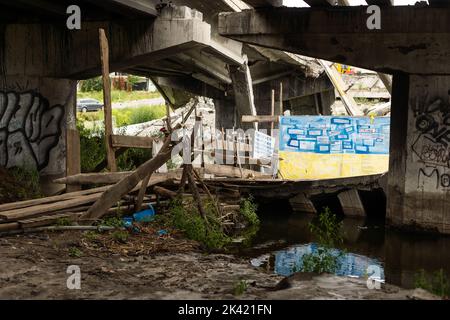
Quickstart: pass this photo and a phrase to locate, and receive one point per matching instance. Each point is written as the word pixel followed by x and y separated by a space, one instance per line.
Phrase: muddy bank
pixel 34 267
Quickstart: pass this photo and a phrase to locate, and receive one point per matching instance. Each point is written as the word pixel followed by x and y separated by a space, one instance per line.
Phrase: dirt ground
pixel 34 266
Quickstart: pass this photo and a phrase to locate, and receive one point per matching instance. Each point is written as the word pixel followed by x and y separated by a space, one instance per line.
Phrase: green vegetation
pixel 74 252
pixel 117 96
pixel 436 283
pixel 93 84
pixel 328 232
pixel 240 287
pixel 127 116
pixel 63 222
pixel 120 236
pixel 248 211
pixel 93 152
pixel 27 184
pixel 187 218
pixel 115 222
pixel 210 232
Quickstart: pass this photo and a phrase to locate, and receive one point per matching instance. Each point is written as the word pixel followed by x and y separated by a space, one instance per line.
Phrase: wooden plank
pixel 164 192
pixel 62 197
pixel 92 178
pixel 9 226
pixel 280 111
pixel 272 112
pixel 336 79
pixel 45 208
pixel 119 141
pixel 114 177
pixel 260 118
pixel 46 220
pixel 73 162
pixel 228 171
pixel 104 57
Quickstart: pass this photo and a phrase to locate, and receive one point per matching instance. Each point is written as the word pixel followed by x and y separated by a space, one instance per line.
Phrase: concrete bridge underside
pixel 413 45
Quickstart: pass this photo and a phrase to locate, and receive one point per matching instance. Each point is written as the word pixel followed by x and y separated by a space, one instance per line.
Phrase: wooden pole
pixel 169 120
pixel 73 162
pixel 272 112
pixel 104 57
pixel 281 99
pixel 195 193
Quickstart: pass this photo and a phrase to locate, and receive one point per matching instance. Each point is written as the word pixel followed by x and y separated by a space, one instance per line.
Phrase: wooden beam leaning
pixel 124 186
pixel 261 118
pixel 104 57
pixel 119 141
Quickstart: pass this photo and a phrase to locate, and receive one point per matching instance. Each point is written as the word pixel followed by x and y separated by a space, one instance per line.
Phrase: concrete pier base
pixel 351 203
pixel 302 203
pixel 419 177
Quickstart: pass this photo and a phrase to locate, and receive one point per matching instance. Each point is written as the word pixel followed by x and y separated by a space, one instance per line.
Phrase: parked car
pixel 85 105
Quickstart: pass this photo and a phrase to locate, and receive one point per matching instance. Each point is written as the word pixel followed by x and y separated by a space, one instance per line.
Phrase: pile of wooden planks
pixel 68 206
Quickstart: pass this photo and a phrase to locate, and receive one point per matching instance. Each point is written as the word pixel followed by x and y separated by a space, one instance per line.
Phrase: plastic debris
pixel 162 233
pixel 128 222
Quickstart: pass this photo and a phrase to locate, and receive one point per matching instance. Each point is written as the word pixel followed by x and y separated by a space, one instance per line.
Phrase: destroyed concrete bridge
pixel 236 58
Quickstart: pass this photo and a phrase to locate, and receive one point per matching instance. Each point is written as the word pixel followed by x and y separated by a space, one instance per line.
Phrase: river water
pixel 370 249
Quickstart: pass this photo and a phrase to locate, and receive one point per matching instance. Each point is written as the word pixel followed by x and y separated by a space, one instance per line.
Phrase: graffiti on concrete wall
pixel 29 129
pixel 431 144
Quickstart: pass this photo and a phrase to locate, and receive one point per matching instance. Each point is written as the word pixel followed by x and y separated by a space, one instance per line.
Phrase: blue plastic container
pixel 145 215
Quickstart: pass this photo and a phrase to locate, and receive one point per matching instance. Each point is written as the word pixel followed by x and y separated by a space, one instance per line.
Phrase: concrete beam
pixel 320 3
pixel 74 54
pixel 139 7
pixel 380 2
pixel 327 3
pixel 192 85
pixel 439 3
pixel 264 3
pixel 412 39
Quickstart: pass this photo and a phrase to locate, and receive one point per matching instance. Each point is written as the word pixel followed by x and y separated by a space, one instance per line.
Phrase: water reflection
pixel 399 255
pixel 290 260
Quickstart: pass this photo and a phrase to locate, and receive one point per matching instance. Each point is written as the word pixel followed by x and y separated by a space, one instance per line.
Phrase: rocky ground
pixel 34 266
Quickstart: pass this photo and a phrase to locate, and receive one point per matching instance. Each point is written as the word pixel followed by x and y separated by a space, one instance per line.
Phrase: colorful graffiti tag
pixel 318 147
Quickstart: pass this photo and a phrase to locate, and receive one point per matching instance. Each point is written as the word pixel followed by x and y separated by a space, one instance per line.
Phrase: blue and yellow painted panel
pixel 325 147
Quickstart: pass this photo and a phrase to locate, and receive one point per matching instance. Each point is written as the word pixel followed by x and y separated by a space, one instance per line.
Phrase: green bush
pixel 94 84
pixel 436 283
pixel 327 230
pixel 248 211
pixel 146 113
pixel 28 186
pixel 187 218
pixel 93 151
pixel 92 147
pixel 127 116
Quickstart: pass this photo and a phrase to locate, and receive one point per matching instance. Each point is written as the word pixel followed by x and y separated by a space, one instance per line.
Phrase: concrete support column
pixel 33 124
pixel 225 114
pixel 419 174
pixel 243 93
